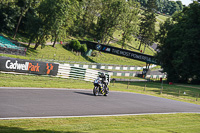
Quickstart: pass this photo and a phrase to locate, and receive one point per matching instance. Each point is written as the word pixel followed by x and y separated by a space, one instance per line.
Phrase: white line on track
pixel 33 88
pixel 51 117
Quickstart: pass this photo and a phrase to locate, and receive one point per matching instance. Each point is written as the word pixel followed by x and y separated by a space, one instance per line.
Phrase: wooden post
pixel 161 90
pixel 145 87
pixel 197 97
pixel 113 82
pixel 128 84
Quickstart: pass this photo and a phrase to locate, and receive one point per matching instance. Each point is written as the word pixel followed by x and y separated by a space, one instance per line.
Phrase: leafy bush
pixel 83 48
pixel 75 44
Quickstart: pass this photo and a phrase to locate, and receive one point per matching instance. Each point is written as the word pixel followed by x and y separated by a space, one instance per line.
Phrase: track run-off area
pixel 22 103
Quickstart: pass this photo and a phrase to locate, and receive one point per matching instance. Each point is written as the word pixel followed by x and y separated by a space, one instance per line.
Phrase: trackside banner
pixel 120 52
pixel 28 66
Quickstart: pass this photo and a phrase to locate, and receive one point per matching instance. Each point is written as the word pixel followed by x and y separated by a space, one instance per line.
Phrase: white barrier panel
pixel 66 71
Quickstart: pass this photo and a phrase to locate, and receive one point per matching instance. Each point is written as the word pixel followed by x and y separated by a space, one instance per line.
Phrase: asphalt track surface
pixel 16 103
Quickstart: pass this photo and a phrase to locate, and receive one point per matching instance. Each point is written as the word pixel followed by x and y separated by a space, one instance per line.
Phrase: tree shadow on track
pixel 4 129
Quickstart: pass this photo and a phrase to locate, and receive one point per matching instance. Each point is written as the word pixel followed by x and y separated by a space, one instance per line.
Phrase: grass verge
pixel 177 123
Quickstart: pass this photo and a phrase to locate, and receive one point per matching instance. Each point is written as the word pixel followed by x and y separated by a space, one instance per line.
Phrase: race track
pixel 50 103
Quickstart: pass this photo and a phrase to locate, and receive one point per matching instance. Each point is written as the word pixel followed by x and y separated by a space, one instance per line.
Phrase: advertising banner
pixel 28 66
pixel 120 52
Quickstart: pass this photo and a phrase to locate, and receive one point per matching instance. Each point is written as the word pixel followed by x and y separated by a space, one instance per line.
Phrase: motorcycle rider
pixel 101 85
pixel 103 79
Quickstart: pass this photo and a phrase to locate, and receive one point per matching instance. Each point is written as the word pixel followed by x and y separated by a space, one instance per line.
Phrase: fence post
pixel 161 90
pixel 197 97
pixel 128 84
pixel 113 82
pixel 145 87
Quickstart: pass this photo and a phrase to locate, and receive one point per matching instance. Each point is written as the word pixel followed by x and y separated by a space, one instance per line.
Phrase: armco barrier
pixel 67 71
pixel 111 67
pixel 98 65
pixel 27 66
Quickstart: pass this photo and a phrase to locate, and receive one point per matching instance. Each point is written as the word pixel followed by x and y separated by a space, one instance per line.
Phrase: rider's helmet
pixel 102 75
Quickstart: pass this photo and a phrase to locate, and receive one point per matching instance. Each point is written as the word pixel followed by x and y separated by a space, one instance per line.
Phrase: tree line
pixel 165 6
pixel 40 20
pixel 179 49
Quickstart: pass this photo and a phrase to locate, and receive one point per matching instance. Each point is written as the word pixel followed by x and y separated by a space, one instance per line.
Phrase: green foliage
pixel 116 14
pixel 180 45
pixel 164 6
pixel 83 48
pixel 8 16
pixel 147 25
pixel 75 45
pixel 87 13
pixel 129 21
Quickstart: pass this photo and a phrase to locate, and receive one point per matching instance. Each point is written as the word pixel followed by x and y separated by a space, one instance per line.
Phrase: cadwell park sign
pixel 121 52
pixel 27 66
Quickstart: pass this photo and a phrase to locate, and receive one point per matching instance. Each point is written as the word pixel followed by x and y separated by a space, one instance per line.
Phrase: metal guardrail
pixel 66 71
pixel 98 65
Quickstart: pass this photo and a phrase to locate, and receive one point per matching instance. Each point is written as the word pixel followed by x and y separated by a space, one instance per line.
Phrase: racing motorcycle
pixel 100 88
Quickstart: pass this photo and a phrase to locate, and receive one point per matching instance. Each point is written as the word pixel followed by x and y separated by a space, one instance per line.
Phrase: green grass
pixel 11 80
pixel 174 92
pixel 60 53
pixel 177 123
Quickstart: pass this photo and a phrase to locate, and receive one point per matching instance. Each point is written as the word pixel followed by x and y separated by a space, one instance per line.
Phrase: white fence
pixel 67 71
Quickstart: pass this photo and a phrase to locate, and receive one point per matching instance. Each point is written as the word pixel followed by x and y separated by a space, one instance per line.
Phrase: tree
pixel 147 25
pixel 180 47
pixel 54 15
pixel 180 5
pixel 33 27
pixel 109 19
pixel 129 21
pixel 165 6
pixel 24 6
pixel 89 14
pixel 8 15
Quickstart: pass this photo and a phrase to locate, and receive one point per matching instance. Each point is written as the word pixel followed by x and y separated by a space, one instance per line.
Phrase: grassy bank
pixel 62 54
pixel 177 123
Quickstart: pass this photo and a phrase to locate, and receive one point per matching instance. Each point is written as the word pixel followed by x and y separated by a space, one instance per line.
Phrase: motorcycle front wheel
pixel 95 91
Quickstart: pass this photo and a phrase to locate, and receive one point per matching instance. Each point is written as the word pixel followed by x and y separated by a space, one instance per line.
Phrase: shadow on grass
pixel 31 51
pixel 86 57
pixel 4 129
pixel 89 59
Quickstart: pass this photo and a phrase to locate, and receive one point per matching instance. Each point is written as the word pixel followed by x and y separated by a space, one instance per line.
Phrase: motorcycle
pixel 100 88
